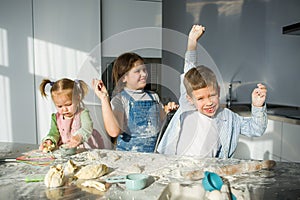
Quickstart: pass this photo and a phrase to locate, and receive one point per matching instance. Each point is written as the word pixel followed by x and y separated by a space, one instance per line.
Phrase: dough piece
pixel 55 177
pixel 70 168
pixel 94 184
pixel 91 171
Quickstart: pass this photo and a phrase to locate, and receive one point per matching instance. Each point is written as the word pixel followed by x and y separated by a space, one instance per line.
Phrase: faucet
pixel 229 99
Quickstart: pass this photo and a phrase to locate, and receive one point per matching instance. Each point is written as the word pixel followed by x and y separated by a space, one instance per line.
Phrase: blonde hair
pixel 76 89
pixel 199 77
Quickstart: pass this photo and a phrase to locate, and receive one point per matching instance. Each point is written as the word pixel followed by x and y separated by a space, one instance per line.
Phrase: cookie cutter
pixel 134 181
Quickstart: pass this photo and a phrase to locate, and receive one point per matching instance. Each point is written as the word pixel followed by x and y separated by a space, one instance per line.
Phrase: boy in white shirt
pixel 200 126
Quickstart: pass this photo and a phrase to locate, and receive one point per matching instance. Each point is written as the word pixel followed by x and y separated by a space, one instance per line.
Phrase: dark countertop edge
pixel 284 119
pixel 244 110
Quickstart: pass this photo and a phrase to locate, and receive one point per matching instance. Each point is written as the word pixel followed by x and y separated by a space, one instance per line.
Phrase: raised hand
pixel 100 89
pixel 259 95
pixel 170 107
pixel 195 33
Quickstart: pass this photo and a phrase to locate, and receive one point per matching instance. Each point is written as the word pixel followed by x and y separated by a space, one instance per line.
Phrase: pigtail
pixel 80 88
pixel 43 86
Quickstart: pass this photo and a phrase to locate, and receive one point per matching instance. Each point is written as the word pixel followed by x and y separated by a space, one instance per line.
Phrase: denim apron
pixel 143 125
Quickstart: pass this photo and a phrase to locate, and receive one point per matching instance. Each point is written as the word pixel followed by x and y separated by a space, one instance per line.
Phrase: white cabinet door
pixel 17 102
pixel 129 25
pixel 40 39
pixel 268 146
pixel 291 142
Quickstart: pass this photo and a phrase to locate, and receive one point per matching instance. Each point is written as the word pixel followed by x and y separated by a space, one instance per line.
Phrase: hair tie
pixel 76 81
pixel 51 83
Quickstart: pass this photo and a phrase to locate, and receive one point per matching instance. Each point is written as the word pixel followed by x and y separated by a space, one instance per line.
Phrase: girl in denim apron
pixel 134 115
pixel 143 125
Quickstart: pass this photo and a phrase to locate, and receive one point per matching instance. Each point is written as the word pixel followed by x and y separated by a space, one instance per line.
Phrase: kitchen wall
pixel 244 40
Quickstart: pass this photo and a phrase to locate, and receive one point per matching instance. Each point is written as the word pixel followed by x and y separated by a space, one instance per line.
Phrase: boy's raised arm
pixel 191 56
pixel 195 33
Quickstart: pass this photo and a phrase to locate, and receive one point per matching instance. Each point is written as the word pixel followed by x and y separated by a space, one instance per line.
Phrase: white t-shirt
pixel 120 107
pixel 198 135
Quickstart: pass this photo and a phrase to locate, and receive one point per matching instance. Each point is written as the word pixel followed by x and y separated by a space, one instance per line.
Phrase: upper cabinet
pixel 129 25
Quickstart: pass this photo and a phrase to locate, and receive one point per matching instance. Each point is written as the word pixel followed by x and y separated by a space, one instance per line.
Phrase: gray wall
pixel 245 41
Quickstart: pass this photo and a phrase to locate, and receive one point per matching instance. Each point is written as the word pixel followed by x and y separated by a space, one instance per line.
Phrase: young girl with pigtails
pixel 71 124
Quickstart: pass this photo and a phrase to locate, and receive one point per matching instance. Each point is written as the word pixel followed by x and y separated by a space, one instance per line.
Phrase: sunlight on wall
pixel 3 48
pixel 5 114
pixel 55 61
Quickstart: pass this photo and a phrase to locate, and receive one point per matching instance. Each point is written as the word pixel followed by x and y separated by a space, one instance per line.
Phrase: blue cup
pixel 212 181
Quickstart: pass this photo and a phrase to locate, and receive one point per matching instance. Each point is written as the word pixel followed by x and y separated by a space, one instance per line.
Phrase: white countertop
pixel 166 172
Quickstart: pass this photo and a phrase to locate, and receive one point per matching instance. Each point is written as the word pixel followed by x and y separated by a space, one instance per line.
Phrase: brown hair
pixel 123 64
pixel 76 89
pixel 199 77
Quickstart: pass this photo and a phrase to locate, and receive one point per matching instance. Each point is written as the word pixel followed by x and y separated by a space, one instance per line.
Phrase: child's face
pixel 206 100
pixel 64 105
pixel 136 77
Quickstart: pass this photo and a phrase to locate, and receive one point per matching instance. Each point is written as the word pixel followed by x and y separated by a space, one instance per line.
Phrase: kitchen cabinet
pixel 290 142
pixel 40 39
pixel 17 89
pixel 267 146
pixel 129 25
pixel 280 143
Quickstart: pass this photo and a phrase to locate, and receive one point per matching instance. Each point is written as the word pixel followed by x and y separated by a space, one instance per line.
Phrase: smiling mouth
pixel 210 110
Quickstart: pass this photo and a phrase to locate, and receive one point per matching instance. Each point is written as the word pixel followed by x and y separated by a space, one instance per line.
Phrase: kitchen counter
pixel 167 176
